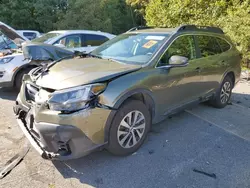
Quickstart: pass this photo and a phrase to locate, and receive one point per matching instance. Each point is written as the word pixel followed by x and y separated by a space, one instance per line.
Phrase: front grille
pixel 31 91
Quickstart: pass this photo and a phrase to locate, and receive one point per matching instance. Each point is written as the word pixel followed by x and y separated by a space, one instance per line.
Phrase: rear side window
pixel 208 46
pixel 224 45
pixel 94 40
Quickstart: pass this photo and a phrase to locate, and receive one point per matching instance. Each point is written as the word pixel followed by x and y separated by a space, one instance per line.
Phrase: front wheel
pixel 129 128
pixel 223 95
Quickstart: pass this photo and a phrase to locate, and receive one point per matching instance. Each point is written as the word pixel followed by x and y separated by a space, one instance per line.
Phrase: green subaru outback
pixel 111 97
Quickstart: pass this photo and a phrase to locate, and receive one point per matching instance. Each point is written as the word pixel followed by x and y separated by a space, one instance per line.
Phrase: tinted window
pixel 182 46
pixel 223 44
pixel 94 40
pixel 71 41
pixel 208 46
pixel 29 35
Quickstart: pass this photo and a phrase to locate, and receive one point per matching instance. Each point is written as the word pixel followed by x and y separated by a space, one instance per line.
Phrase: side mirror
pixel 178 61
pixel 60 45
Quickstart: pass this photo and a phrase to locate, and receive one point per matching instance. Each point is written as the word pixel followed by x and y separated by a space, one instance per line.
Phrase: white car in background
pixel 75 40
pixel 13 65
pixel 30 34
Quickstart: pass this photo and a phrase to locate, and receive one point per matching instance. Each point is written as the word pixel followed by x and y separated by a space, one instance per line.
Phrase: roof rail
pixel 199 28
pixel 139 28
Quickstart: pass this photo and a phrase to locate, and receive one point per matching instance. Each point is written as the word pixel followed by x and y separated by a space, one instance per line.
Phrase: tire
pixel 119 145
pixel 19 78
pixel 225 90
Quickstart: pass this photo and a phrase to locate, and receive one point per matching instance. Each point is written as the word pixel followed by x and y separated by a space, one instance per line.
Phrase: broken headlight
pixel 74 99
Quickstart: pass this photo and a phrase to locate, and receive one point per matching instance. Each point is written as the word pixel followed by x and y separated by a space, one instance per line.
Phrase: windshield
pixel 131 48
pixel 6 43
pixel 46 37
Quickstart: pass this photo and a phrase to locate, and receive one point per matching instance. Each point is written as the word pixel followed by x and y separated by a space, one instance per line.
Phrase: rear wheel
pixel 129 128
pixel 224 93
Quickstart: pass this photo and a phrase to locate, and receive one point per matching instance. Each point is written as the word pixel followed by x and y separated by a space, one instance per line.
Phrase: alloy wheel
pixel 225 92
pixel 131 129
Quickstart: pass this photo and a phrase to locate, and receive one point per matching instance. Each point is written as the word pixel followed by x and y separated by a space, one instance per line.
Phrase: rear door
pixel 212 64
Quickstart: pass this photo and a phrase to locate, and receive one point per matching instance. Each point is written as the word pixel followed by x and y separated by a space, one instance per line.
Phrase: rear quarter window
pixel 208 45
pixel 225 46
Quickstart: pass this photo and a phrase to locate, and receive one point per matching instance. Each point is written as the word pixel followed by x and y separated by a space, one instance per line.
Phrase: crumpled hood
pixel 81 71
pixel 44 52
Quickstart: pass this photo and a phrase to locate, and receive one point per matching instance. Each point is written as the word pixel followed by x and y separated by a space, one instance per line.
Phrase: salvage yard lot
pixel 214 142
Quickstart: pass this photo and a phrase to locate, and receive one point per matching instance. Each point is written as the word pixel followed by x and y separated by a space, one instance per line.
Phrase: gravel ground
pixel 202 139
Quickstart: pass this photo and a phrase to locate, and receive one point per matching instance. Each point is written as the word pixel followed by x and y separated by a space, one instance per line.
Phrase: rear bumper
pixel 54 141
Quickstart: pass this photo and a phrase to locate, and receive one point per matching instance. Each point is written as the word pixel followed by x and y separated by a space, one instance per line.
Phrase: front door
pixel 177 86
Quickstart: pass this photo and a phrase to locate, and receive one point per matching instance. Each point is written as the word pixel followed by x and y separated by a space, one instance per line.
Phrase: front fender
pixel 148 97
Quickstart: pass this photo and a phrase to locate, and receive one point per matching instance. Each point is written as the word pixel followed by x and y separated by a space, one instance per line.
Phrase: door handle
pixel 198 69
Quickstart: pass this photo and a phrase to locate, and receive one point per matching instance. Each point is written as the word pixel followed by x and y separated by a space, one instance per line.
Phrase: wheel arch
pixel 231 74
pixel 20 69
pixel 139 94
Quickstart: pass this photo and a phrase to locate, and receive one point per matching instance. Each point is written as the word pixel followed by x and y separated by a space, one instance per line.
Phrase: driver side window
pixel 182 46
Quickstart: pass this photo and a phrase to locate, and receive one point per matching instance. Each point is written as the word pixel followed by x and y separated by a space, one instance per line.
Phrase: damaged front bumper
pixel 54 141
pixel 59 136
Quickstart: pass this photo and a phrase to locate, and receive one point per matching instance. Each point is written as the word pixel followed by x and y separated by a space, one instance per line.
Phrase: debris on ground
pixel 51 185
pixel 151 151
pixel 99 181
pixel 212 175
pixel 14 161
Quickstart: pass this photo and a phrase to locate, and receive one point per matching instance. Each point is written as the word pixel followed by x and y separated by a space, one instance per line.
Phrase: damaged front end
pixel 64 124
